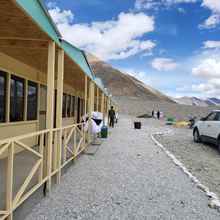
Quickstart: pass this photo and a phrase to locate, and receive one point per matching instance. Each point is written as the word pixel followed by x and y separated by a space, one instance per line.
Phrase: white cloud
pixel 202 87
pixel 113 39
pixel 152 4
pixel 208 68
pixel 207 89
pixel 211 44
pixel 164 64
pixel 213 5
pixel 61 17
pixel 214 19
pixel 211 22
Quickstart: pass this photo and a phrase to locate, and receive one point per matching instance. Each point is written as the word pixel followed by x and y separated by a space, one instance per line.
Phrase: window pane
pixel 211 116
pixel 32 101
pixel 218 117
pixel 68 100
pixel 73 106
pixel 17 99
pixel 2 95
pixel 64 105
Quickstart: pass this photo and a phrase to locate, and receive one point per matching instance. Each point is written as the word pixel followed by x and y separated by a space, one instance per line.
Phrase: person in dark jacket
pixel 111 115
pixel 152 114
pixel 158 115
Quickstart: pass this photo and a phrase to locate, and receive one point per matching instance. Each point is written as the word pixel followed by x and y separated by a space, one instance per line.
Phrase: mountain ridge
pixel 122 84
pixel 187 100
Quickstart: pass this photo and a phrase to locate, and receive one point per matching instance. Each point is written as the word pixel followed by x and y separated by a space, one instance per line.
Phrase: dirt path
pixel 128 178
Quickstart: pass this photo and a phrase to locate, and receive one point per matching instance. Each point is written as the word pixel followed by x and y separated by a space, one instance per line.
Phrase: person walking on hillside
pixel 158 115
pixel 111 115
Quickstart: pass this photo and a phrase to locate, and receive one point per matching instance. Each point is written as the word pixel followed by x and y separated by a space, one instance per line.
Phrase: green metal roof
pixel 100 84
pixel 36 9
pixel 78 57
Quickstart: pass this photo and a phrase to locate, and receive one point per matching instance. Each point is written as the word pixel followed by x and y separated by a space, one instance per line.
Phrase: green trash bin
pixel 104 132
pixel 170 121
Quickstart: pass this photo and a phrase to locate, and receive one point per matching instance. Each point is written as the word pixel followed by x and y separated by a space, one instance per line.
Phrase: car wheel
pixel 196 136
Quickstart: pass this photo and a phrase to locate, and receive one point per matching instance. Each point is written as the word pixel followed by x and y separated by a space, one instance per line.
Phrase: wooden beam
pixel 91 106
pixel 97 102
pixel 24 39
pixel 50 107
pixel 102 104
pixel 9 181
pixel 85 104
pixel 23 43
pixel 59 119
pixel 86 92
pixel 41 151
pixel 107 107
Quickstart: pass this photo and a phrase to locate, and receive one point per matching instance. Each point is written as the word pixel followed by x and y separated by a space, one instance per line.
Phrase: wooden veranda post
pixel 9 181
pixel 50 107
pixel 86 94
pixel 59 104
pixel 102 104
pixel 97 102
pixel 91 106
pixel 107 105
pixel 85 103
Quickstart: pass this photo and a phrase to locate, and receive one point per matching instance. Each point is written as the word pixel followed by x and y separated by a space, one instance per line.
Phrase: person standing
pixel 158 115
pixel 152 114
pixel 111 115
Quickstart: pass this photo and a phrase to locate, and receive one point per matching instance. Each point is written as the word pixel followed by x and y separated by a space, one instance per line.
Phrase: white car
pixel 208 129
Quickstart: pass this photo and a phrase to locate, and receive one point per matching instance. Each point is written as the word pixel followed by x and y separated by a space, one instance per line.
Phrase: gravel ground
pixel 202 160
pixel 128 178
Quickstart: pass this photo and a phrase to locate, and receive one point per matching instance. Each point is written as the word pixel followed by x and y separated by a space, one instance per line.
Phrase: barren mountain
pixel 136 98
pixel 122 84
pixel 197 101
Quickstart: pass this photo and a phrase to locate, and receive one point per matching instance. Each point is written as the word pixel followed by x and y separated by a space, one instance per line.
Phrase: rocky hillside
pixel 136 98
pixel 121 84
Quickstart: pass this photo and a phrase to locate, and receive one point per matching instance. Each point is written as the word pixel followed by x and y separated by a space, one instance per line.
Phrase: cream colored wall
pixel 16 67
pixel 17 129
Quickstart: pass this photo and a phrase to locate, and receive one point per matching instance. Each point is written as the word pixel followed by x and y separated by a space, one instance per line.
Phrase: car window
pixel 217 116
pixel 211 117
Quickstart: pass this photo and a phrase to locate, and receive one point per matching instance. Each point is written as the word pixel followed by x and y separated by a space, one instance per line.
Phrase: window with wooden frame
pixel 2 96
pixel 16 99
pixel 32 100
pixel 73 107
pixel 64 105
pixel 68 105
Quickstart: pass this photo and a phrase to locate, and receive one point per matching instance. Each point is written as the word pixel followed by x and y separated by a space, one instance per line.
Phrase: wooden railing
pixel 68 142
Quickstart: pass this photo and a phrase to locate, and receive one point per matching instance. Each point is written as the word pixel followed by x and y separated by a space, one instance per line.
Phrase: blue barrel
pixel 104 132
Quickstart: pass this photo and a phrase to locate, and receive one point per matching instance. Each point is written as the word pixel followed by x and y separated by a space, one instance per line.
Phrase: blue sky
pixel 171 45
